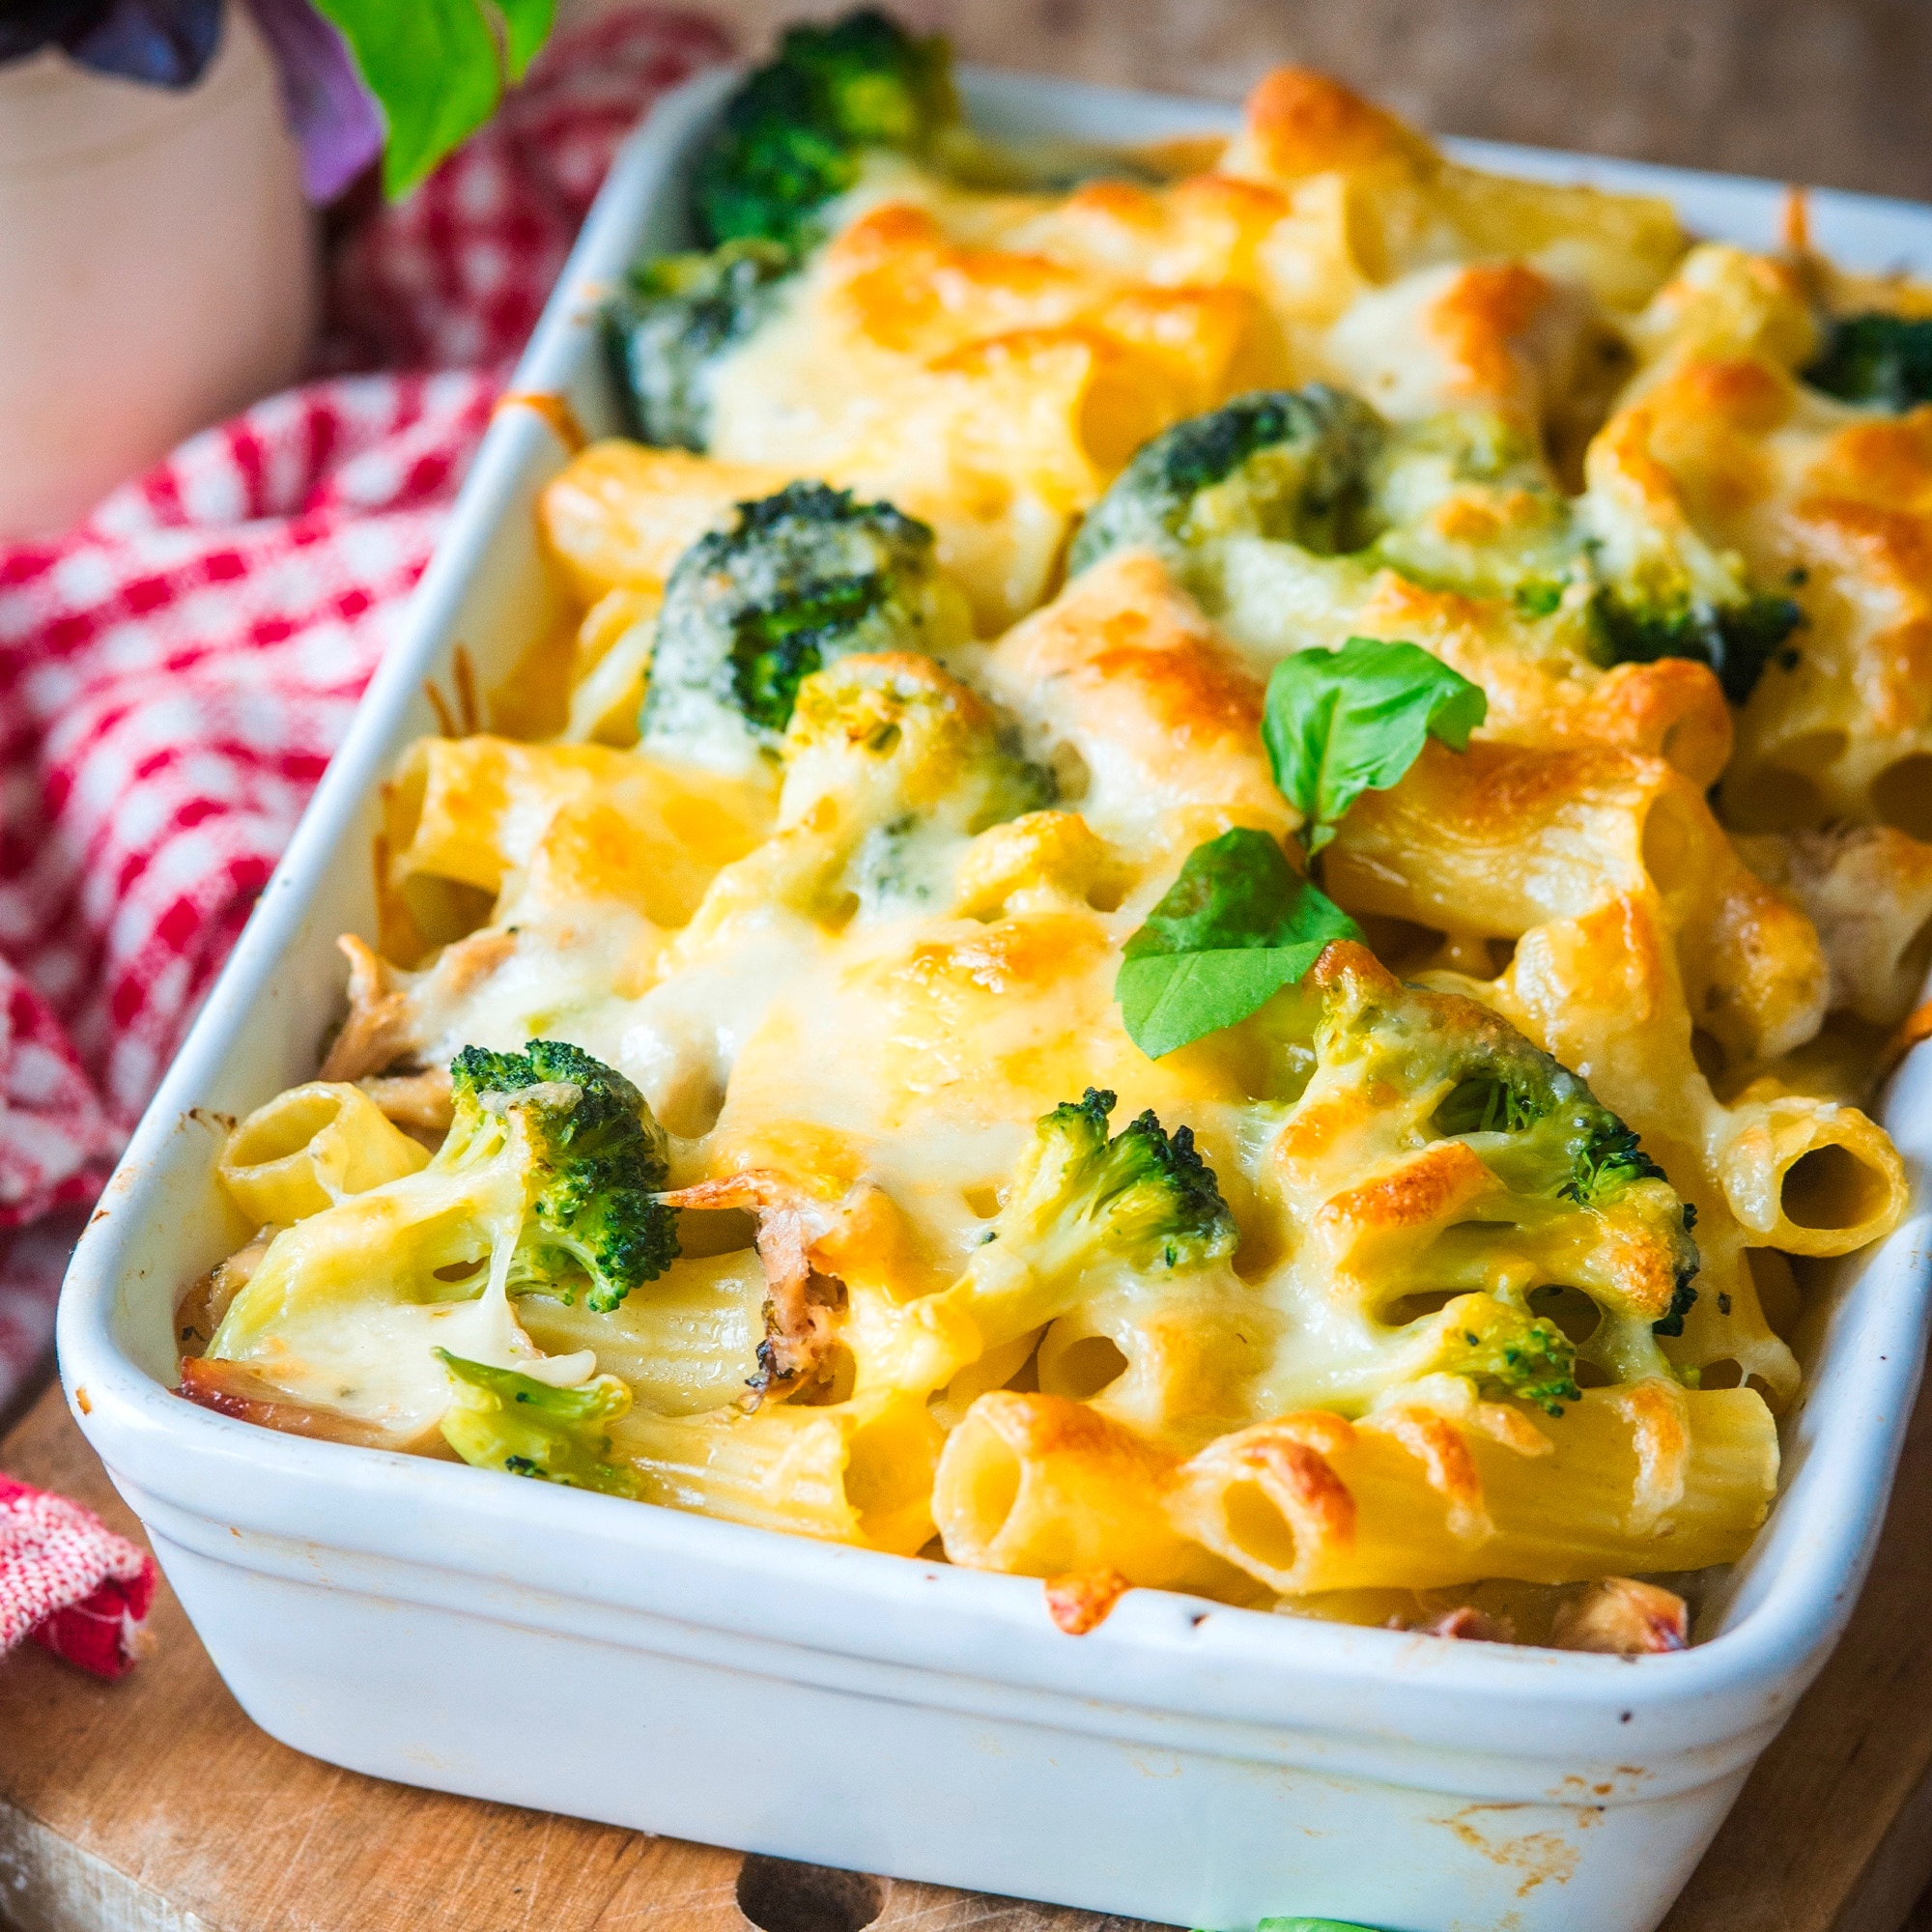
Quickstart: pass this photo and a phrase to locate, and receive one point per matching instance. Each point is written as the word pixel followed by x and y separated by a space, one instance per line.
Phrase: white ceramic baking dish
pixel 1185 1762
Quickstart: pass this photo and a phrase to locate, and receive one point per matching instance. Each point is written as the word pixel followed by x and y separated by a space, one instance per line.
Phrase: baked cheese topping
pixel 1438 1256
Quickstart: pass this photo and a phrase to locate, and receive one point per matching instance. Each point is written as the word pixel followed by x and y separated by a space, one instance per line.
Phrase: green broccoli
pixel 672 321
pixel 547 1180
pixel 1521 539
pixel 1085 1213
pixel 1737 639
pixel 1278 510
pixel 1146 1194
pixel 1538 1127
pixel 794 134
pixel 592 1159
pixel 1506 1353
pixel 499 1419
pixel 1286 464
pixel 801 579
pixel 1877 358
pixel 1607 1160
pixel 892 766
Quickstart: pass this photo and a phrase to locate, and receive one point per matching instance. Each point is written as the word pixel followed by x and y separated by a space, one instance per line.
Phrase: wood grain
pixel 153 1805
pixel 1830 91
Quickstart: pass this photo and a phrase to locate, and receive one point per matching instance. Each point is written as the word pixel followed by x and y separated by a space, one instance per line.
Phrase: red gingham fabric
pixel 68 1582
pixel 176 671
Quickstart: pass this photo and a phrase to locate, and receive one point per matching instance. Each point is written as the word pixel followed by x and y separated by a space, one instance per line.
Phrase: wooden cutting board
pixel 153 1805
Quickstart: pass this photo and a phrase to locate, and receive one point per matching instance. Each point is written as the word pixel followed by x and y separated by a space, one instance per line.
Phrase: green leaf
pixel 1312 1925
pixel 1342 723
pixel 527 25
pixel 1238 926
pixel 435 68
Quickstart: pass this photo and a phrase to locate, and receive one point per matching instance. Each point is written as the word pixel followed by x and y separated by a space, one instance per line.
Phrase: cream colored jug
pixel 158 269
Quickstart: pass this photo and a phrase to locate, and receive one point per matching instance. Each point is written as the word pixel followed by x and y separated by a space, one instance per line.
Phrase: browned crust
pixel 1124 661
pixel 1291 1457
pixel 1448 1467
pixel 1475 321
pixel 1418 1193
pixel 1082 1600
pixel 1305 122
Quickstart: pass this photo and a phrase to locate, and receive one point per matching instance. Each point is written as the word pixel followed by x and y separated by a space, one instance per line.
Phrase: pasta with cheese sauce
pixel 1233 836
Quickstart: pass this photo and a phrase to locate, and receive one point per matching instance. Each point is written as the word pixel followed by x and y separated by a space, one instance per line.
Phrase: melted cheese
pixel 849 986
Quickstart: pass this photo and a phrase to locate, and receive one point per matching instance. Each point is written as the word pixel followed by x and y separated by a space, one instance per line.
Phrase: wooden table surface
pixel 153 1805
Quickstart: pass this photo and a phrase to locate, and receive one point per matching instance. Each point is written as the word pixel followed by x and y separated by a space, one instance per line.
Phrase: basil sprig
pixel 1240 924
pixel 1342 723
pixel 435 68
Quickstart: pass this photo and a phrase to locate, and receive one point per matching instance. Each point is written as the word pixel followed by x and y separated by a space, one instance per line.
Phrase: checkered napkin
pixel 68 1582
pixel 176 671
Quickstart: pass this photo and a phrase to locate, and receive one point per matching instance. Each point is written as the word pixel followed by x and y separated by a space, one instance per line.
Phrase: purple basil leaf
pixel 26 28
pixel 332 114
pixel 164 43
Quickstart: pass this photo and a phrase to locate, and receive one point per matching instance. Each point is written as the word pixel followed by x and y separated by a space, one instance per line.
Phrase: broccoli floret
pixel 793 136
pixel 1563 1141
pixel 1877 358
pixel 1737 639
pixel 1663 585
pixel 1287 464
pixel 801 579
pixel 1146 1194
pixel 593 1161
pixel 1506 1353
pixel 547 1179
pixel 1607 1159
pixel 1470 506
pixel 1085 1213
pixel 892 765
pixel 673 319
pixel 1534 1123
pixel 499 1419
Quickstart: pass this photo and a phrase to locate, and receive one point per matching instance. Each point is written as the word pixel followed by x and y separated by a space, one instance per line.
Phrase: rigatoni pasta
pixel 1232 843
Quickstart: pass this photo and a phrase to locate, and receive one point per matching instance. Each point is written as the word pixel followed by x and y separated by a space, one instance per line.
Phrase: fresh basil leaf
pixel 1342 723
pixel 1239 924
pixel 527 25
pixel 435 66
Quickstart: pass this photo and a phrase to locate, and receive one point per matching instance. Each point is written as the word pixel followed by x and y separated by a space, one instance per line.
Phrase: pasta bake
pixel 1202 896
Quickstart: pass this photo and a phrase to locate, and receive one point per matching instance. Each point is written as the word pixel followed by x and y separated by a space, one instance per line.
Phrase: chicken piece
pixel 1623 1618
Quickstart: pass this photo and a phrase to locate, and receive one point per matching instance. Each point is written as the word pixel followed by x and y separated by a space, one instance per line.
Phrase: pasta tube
pixel 1414 1498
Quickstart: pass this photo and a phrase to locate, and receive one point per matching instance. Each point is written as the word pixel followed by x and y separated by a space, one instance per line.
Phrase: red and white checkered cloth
pixel 176 671
pixel 68 1581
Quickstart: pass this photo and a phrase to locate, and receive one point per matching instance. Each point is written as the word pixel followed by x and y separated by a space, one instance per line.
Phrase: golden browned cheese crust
pixel 1496 1297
